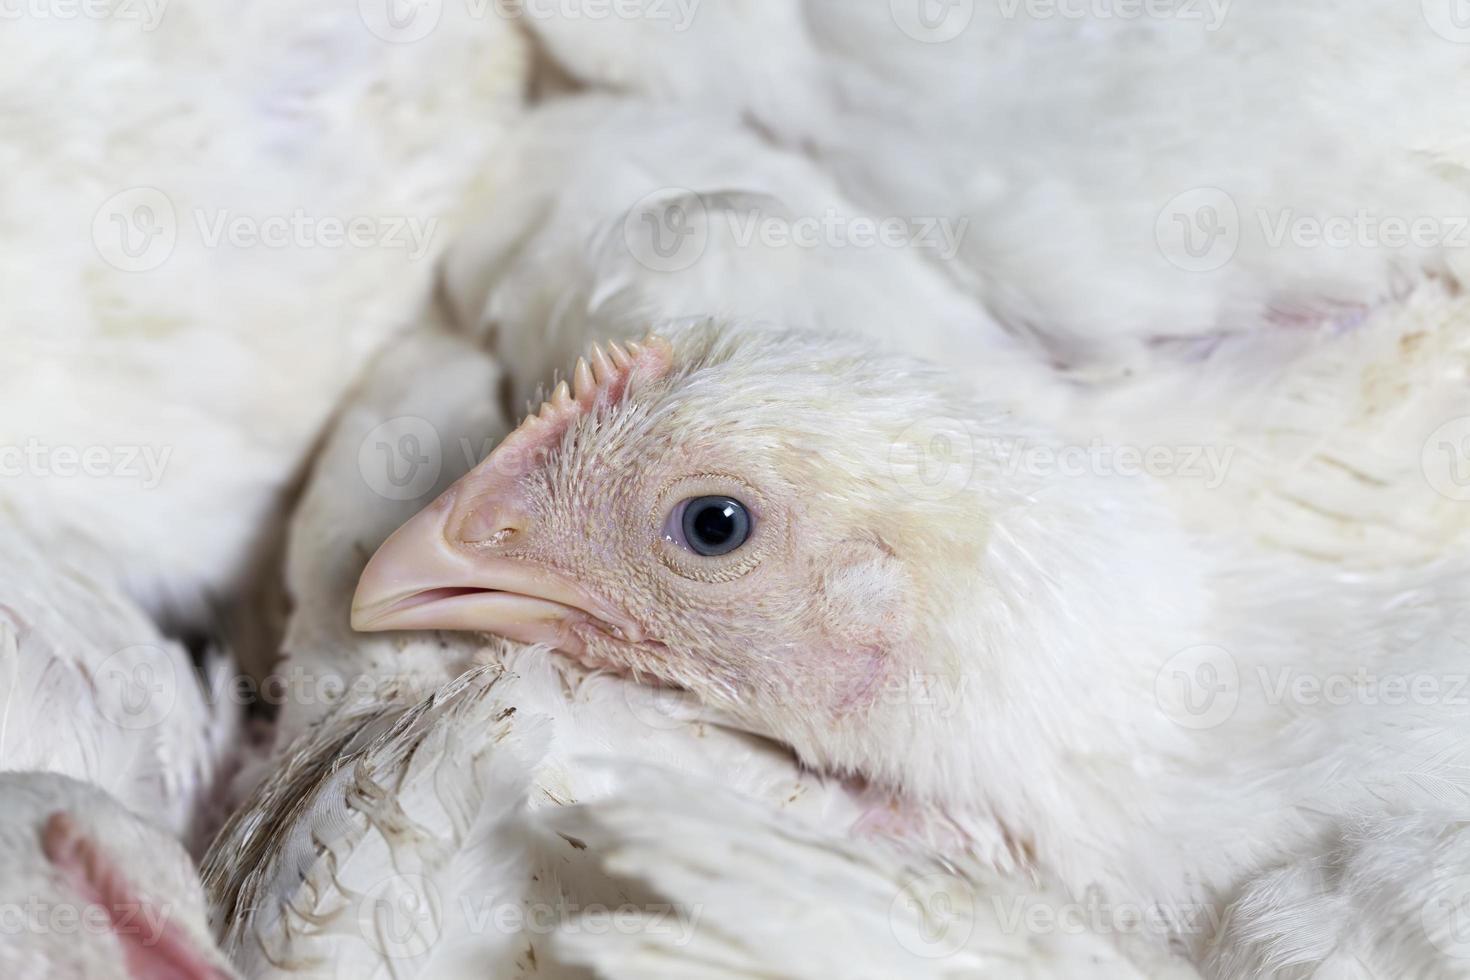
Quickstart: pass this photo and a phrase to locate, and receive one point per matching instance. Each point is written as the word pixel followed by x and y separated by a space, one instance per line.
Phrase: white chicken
pixel 409 824
pixel 214 214
pixel 91 891
pixel 1125 173
pixel 742 513
pixel 90 688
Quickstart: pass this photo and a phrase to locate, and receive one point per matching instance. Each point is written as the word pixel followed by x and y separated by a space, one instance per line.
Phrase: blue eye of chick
pixel 714 526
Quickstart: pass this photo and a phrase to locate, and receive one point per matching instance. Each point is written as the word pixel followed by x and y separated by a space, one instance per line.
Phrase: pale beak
pixel 421 579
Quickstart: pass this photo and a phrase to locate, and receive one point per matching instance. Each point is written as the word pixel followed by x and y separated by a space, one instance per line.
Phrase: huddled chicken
pixel 785 637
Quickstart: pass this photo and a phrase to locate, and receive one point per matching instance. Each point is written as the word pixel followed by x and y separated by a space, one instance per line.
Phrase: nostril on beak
pixel 489 527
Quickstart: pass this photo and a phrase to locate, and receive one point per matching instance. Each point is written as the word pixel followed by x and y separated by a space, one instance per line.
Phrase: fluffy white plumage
pixel 91 890
pixel 451 790
pixel 782 898
pixel 1061 246
pixel 91 689
pixel 137 323
pixel 629 213
pixel 1065 133
pixel 428 803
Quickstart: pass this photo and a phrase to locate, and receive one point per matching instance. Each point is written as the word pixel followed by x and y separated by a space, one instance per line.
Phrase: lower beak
pixel 419 580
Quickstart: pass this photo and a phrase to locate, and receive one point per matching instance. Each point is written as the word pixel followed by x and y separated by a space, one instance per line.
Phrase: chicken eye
pixel 710 526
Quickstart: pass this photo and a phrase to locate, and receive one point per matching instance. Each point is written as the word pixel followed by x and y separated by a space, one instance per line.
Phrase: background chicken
pixel 1124 178
pixel 91 890
pixel 174 295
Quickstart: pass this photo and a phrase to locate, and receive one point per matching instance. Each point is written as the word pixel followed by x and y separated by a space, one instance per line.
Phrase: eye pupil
pixel 715 525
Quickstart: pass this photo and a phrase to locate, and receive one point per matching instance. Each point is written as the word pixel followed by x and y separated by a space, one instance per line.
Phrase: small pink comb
pixel 600 378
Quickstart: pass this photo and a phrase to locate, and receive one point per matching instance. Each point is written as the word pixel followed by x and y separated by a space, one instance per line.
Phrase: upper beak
pixel 422 579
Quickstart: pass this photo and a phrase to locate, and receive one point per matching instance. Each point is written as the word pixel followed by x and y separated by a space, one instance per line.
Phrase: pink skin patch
pixel 154 948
